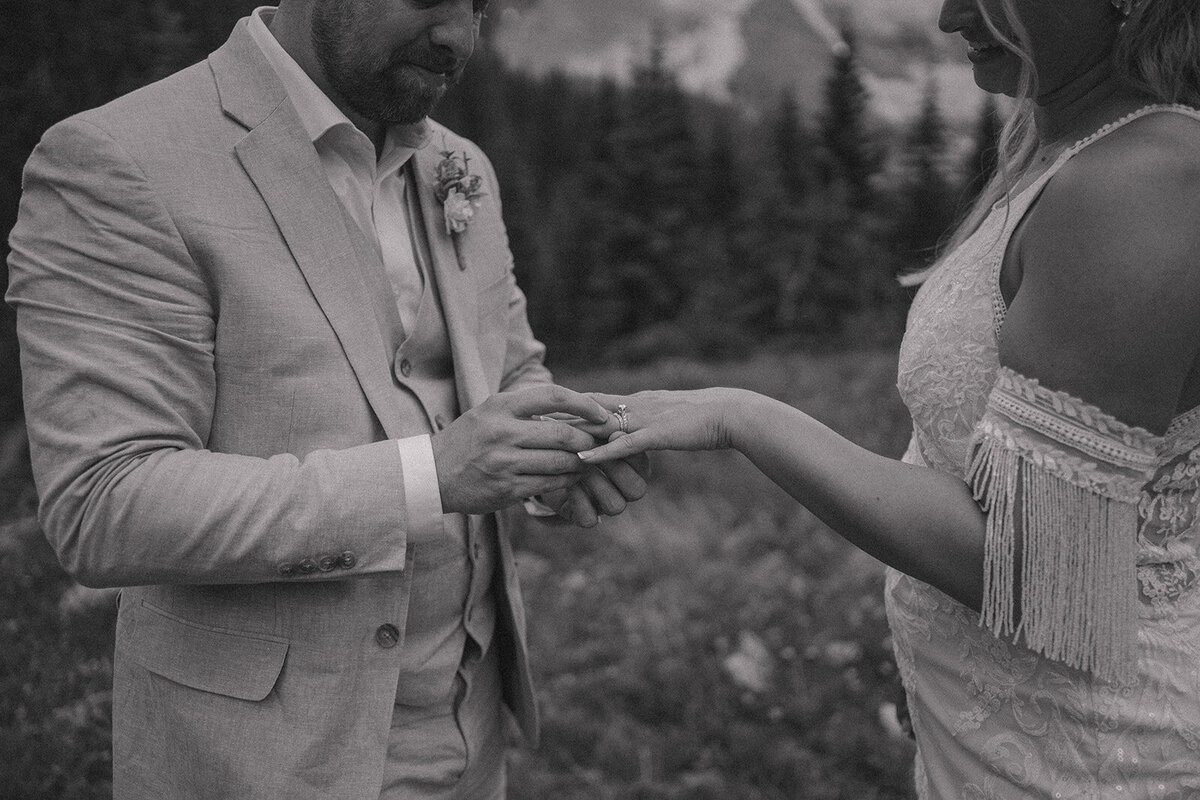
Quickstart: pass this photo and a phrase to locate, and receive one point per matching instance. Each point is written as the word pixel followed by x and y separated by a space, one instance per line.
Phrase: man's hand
pixel 503 450
pixel 603 490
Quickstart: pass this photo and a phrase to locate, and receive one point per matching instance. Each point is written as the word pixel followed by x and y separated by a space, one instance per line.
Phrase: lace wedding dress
pixel 1000 721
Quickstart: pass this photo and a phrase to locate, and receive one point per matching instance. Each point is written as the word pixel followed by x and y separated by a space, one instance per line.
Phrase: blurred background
pixel 697 192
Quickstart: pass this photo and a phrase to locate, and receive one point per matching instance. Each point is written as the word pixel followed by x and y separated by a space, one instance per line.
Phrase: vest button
pixel 347 560
pixel 307 566
pixel 328 563
pixel 405 367
pixel 387 636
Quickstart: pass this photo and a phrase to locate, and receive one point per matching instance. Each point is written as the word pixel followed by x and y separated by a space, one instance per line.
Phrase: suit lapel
pixel 281 161
pixel 460 302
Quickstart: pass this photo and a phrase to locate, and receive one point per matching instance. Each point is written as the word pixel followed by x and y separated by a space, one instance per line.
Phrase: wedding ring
pixel 622 415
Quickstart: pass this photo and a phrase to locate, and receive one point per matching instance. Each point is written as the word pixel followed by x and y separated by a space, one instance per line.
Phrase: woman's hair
pixel 1157 52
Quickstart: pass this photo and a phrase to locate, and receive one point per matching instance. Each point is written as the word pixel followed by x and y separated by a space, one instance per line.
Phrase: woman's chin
pixel 1007 91
pixel 993 83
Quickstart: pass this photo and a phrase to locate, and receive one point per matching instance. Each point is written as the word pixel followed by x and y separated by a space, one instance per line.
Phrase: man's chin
pixel 409 114
pixel 387 110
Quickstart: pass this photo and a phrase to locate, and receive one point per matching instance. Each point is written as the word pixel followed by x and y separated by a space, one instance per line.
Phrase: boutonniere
pixel 457 190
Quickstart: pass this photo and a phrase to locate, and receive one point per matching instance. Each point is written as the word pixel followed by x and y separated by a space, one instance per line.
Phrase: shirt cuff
pixel 422 494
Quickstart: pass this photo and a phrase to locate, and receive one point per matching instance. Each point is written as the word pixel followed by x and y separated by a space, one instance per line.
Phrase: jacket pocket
pixel 235 664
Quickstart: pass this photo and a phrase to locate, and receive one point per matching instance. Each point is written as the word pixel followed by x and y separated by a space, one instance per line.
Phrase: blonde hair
pixel 1157 51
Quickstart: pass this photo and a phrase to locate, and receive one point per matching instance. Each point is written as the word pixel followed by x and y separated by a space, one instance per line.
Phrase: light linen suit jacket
pixel 212 390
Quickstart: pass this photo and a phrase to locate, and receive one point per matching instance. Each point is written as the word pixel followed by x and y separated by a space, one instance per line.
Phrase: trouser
pixel 451 751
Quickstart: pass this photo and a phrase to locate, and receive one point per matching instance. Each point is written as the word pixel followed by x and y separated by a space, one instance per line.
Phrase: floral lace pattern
pixel 994 720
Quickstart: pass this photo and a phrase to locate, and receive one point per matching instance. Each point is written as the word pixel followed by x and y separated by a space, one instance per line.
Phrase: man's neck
pixel 292 29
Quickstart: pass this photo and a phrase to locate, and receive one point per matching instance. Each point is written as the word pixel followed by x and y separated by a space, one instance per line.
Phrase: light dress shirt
pixel 374 193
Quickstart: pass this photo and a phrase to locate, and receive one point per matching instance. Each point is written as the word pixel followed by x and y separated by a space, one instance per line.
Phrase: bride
pixel 1041 530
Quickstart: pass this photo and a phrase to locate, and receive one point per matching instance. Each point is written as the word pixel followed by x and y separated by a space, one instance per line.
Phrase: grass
pixel 55 657
pixel 715 641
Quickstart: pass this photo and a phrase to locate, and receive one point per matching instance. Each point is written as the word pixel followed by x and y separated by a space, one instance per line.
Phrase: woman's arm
pixel 917 520
pixel 920 521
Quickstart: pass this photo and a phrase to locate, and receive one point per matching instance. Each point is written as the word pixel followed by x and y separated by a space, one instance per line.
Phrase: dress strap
pixel 1105 130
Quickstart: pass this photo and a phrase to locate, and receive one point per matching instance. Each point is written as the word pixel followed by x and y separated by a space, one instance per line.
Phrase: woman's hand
pixel 659 420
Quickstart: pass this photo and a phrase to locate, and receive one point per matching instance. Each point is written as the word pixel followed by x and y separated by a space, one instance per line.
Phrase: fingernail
pixel 587 455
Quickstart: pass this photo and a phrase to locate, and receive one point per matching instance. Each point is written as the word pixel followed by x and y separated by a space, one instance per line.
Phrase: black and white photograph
pixel 600 400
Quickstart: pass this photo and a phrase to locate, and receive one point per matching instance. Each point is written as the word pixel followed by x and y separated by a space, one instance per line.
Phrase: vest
pixel 451 595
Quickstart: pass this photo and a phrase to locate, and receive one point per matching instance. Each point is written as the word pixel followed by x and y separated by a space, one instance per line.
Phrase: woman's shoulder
pixel 1135 190
pixel 1156 155
pixel 1111 272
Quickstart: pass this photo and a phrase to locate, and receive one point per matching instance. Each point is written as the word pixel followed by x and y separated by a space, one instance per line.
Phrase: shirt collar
pixel 317 112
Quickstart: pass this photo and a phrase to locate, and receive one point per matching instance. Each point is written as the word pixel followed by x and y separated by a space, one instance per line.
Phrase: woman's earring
pixel 1123 6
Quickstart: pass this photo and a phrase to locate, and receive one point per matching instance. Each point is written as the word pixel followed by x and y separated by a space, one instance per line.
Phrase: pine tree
pixel 723 295
pixel 581 309
pixel 656 163
pixel 793 150
pixel 845 259
pixel 926 199
pixel 981 163
pixel 853 153
pixel 723 190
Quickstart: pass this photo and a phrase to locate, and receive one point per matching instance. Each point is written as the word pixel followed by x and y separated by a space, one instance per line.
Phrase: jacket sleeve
pixel 116 324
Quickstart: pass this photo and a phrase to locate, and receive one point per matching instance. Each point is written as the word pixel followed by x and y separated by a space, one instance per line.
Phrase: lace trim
pixel 1183 434
pixel 1026 404
pixel 1107 128
pixel 1060 481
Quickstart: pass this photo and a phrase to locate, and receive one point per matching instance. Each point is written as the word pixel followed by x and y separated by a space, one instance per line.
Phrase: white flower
pixel 458 210
pixel 750 666
pixel 889 720
pixel 841 654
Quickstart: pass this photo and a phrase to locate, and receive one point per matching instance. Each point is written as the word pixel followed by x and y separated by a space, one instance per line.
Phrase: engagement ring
pixel 622 415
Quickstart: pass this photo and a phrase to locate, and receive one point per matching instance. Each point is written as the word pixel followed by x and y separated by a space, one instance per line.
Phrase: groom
pixel 278 376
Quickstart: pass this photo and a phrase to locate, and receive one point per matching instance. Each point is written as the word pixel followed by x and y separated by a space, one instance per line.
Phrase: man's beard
pixel 380 91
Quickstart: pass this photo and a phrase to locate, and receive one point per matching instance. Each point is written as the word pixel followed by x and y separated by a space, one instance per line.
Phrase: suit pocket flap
pixel 240 665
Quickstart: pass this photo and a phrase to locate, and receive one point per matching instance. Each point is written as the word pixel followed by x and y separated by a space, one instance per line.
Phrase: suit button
pixel 439 422
pixel 287 570
pixel 405 367
pixel 328 563
pixel 347 560
pixel 307 566
pixel 387 636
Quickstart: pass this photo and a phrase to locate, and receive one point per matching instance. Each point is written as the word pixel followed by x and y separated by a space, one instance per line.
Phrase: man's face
pixel 392 60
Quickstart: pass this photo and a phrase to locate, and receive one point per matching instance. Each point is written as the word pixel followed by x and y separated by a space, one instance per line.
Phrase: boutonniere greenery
pixel 457 190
